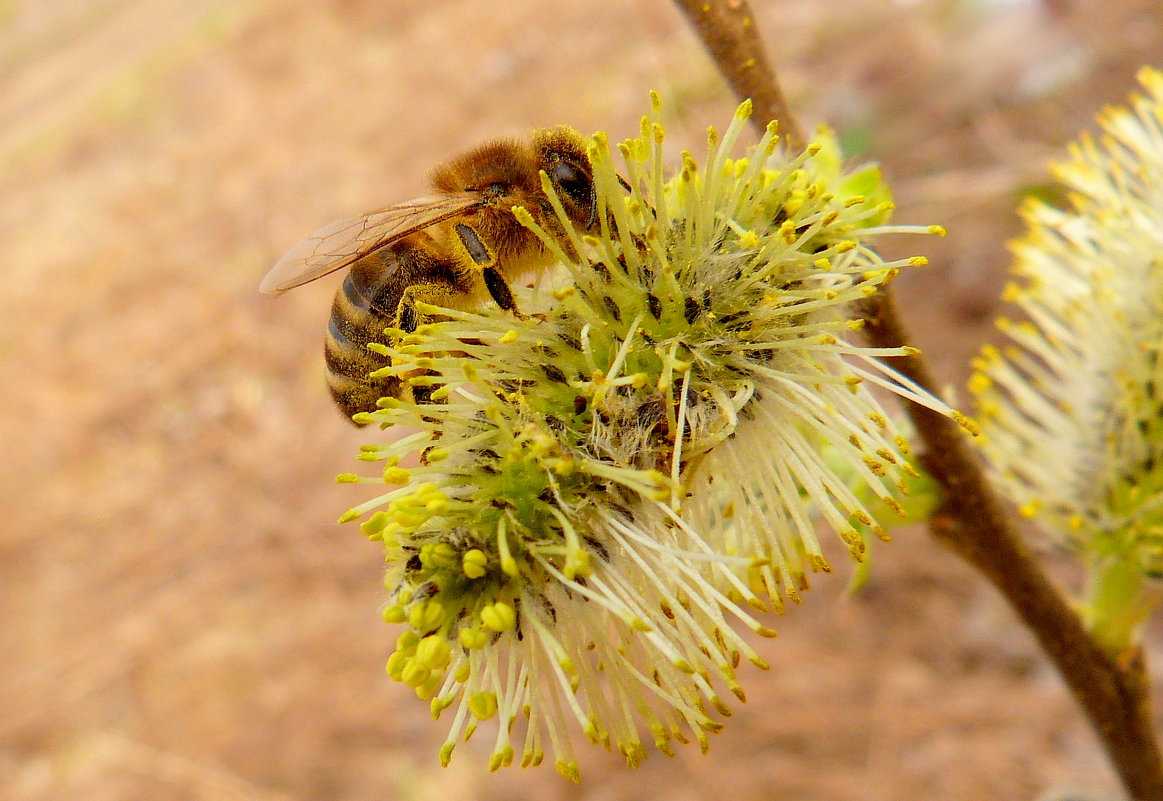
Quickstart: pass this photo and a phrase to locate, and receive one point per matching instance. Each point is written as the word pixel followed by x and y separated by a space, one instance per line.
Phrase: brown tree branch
pixel 728 32
pixel 1113 694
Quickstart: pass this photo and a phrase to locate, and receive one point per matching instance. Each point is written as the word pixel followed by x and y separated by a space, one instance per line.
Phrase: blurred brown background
pixel 182 618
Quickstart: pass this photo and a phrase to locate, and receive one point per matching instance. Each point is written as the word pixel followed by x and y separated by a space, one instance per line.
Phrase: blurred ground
pixel 182 617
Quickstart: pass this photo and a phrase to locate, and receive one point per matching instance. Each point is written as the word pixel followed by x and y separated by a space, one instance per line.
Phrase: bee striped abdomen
pixel 355 322
pixel 457 247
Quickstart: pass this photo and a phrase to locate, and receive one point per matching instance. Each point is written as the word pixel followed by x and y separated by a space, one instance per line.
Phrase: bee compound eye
pixel 572 181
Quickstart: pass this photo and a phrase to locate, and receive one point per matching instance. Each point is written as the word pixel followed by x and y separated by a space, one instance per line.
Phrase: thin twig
pixel 729 34
pixel 1113 694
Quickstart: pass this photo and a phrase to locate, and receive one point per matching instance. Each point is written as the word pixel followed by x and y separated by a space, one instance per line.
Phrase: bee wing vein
pixel 340 243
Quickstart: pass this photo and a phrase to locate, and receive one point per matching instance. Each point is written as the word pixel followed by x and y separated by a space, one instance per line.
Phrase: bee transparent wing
pixel 346 241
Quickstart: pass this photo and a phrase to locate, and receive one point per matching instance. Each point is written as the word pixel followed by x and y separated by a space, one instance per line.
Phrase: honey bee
pixel 457 247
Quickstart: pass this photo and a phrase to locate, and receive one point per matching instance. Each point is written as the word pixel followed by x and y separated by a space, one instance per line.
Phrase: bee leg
pixel 485 260
pixel 408 317
pixel 499 289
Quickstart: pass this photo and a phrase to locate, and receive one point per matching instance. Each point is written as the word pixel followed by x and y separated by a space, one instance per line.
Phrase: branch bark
pixel 728 32
pixel 1114 695
pixel 1113 692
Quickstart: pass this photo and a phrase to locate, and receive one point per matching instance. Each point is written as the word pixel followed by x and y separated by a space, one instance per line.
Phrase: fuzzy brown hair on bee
pixel 458 247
